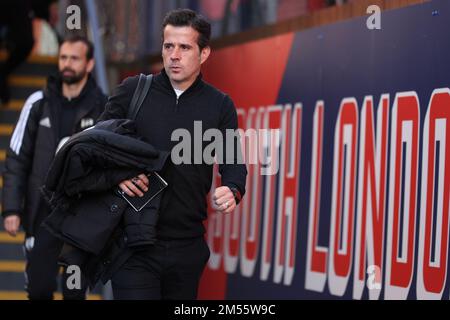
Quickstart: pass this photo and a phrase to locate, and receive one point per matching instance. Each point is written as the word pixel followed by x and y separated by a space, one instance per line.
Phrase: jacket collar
pixel 54 87
pixel 195 86
pixel 90 90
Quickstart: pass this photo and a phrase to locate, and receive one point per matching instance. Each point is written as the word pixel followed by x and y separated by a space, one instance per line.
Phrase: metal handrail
pixel 100 65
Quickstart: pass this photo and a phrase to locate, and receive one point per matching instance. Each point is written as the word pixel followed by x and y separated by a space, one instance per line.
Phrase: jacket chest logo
pixel 86 122
pixel 45 122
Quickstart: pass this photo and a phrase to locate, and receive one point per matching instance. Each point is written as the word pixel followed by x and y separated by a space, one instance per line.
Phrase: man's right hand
pixel 134 186
pixel 11 224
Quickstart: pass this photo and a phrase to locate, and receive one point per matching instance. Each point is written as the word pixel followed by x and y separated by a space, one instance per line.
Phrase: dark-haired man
pixel 178 100
pixel 70 103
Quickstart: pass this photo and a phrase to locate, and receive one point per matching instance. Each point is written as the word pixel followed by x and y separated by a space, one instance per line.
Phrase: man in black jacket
pixel 70 103
pixel 178 100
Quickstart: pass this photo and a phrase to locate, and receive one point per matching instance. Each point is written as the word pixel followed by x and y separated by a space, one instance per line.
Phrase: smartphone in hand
pixel 155 186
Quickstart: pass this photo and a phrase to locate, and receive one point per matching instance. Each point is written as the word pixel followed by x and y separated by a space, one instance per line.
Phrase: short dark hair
pixel 189 18
pixel 79 38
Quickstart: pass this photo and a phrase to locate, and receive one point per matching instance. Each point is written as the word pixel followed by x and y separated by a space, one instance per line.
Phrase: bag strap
pixel 139 95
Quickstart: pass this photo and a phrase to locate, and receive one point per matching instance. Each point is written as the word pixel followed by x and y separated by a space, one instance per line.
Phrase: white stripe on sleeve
pixel 19 131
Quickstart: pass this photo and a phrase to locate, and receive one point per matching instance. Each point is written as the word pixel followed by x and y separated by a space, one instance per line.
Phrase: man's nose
pixel 175 54
pixel 67 62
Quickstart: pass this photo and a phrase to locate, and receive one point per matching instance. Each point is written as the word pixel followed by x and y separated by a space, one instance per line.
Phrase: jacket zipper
pixel 176 103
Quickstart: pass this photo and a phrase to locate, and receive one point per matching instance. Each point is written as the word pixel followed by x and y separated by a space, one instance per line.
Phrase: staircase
pixel 28 78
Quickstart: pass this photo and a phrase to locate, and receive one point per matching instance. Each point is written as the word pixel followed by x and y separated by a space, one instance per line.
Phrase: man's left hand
pixel 224 200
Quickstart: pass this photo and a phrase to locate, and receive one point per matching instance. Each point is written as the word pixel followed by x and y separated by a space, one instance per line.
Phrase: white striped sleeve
pixel 19 131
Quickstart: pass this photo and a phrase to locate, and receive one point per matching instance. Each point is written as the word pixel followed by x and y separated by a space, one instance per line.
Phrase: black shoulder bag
pixel 139 95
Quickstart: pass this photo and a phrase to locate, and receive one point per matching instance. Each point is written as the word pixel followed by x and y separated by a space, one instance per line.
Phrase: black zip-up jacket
pixel 184 205
pixel 33 146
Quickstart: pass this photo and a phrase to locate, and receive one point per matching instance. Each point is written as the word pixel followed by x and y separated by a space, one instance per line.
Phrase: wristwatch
pixel 237 195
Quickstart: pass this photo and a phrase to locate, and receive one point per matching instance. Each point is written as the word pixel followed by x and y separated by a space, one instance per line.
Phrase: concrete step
pixel 12 266
pixel 4 143
pixel 33 59
pixel 12 277
pixel 9 116
pixel 34 69
pixel 6 238
pixel 12 252
pixel 15 105
pixel 12 281
pixel 20 93
pixel 27 81
pixel 6 130
pixel 22 295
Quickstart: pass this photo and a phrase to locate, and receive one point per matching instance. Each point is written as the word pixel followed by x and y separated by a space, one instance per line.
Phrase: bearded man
pixel 70 103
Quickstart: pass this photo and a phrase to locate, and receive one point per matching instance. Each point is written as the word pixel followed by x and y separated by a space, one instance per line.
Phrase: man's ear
pixel 204 54
pixel 90 65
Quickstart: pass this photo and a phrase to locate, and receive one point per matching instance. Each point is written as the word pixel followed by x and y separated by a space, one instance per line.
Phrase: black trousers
pixel 42 269
pixel 170 269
